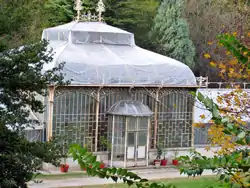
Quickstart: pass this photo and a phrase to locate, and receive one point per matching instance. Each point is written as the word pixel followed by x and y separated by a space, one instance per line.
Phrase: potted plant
pixel 175 161
pixel 164 161
pixel 106 145
pixel 64 167
pixel 157 161
pixel 102 165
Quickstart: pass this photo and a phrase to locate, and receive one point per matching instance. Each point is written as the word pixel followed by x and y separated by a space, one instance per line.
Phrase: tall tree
pixel 170 33
pixel 207 18
pixel 135 16
pixel 30 17
pixel 21 81
pixel 59 12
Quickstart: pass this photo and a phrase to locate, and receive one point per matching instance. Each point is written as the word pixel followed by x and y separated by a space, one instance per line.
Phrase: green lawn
pixel 61 176
pixel 203 182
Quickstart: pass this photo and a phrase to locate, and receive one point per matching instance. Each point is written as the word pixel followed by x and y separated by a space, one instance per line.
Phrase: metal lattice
pixel 74 117
pixel 175 119
pixel 75 113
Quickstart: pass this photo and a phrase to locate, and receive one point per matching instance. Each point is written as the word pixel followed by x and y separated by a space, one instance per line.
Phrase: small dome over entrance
pixel 130 108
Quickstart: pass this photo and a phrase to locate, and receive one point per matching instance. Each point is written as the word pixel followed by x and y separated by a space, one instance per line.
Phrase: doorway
pixel 137 141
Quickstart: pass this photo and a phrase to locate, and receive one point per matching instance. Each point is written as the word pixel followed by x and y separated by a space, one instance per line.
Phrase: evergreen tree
pixel 59 11
pixel 170 33
pixel 21 81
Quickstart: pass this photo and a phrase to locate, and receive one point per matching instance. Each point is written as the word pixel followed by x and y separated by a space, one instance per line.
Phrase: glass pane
pixel 142 138
pixel 143 123
pixel 132 123
pixel 131 139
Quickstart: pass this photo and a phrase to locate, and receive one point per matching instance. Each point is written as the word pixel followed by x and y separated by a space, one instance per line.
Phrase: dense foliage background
pixel 179 29
pixel 23 21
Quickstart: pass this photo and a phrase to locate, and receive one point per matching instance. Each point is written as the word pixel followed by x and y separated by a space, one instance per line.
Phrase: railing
pixel 204 83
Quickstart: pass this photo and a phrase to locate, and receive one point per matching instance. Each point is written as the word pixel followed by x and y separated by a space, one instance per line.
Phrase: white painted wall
pixel 152 155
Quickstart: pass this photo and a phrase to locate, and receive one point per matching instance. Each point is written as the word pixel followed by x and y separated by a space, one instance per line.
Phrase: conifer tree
pixel 170 33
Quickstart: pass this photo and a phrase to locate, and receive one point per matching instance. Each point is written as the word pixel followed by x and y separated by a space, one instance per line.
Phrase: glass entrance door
pixel 137 140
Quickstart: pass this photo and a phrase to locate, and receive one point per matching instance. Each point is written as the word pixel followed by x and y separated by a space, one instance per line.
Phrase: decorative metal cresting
pixel 100 9
pixel 88 16
pixel 78 8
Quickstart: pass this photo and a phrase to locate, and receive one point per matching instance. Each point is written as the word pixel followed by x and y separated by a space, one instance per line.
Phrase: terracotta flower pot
pixel 175 162
pixel 164 162
pixel 157 161
pixel 64 168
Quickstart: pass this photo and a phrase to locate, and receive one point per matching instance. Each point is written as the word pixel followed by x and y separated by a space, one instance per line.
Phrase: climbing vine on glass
pixel 88 161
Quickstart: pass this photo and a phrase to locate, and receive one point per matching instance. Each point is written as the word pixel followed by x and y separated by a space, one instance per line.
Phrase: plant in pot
pixel 157 161
pixel 164 161
pixel 106 146
pixel 102 165
pixel 64 167
pixel 175 160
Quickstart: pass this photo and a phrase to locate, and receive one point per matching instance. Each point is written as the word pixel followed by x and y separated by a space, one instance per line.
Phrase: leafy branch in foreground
pixel 233 164
pixel 88 161
pixel 21 159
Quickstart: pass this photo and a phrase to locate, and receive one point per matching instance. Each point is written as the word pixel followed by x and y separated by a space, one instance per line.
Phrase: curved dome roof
pixel 96 53
pixel 130 108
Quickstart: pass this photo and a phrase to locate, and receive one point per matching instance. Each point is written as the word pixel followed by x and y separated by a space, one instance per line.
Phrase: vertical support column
pixel 112 142
pixel 50 119
pixel 125 142
pixel 97 118
pixel 156 116
pixel 193 131
pixel 147 148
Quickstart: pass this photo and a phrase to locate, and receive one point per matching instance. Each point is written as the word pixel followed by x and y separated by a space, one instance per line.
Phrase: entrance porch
pixel 128 134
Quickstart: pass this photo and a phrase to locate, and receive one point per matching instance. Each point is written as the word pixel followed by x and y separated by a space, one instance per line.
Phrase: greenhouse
pixel 132 98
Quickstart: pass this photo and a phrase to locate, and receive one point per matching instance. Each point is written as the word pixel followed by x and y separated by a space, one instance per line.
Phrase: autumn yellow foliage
pixel 233 104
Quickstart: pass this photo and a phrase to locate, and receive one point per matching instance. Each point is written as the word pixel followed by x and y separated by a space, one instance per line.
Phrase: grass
pixel 203 182
pixel 61 176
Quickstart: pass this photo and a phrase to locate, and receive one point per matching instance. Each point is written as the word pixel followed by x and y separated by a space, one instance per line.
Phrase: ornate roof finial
pixel 78 8
pixel 100 9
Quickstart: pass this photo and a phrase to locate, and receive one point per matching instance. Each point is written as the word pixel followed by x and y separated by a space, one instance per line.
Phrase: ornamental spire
pixel 100 9
pixel 78 8
pixel 88 16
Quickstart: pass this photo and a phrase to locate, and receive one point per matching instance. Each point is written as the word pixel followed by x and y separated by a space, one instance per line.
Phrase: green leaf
pixel 123 172
pixel 129 182
pixel 227 179
pixel 240 142
pixel 131 175
pixel 100 175
pixel 119 171
pixel 143 180
pixel 248 140
pixel 208 103
pixel 225 120
pixel 153 185
pixel 193 93
pixel 114 178
pixel 215 112
pixel 200 97
pixel 222 176
pixel 227 132
pixel 230 126
pixel 114 170
pixel 241 135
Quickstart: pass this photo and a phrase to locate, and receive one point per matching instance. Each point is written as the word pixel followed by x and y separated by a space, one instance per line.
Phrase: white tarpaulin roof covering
pixel 199 108
pixel 96 53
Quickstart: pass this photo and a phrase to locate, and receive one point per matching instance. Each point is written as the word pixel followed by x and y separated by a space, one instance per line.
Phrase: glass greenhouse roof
pixel 96 53
pixel 130 108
